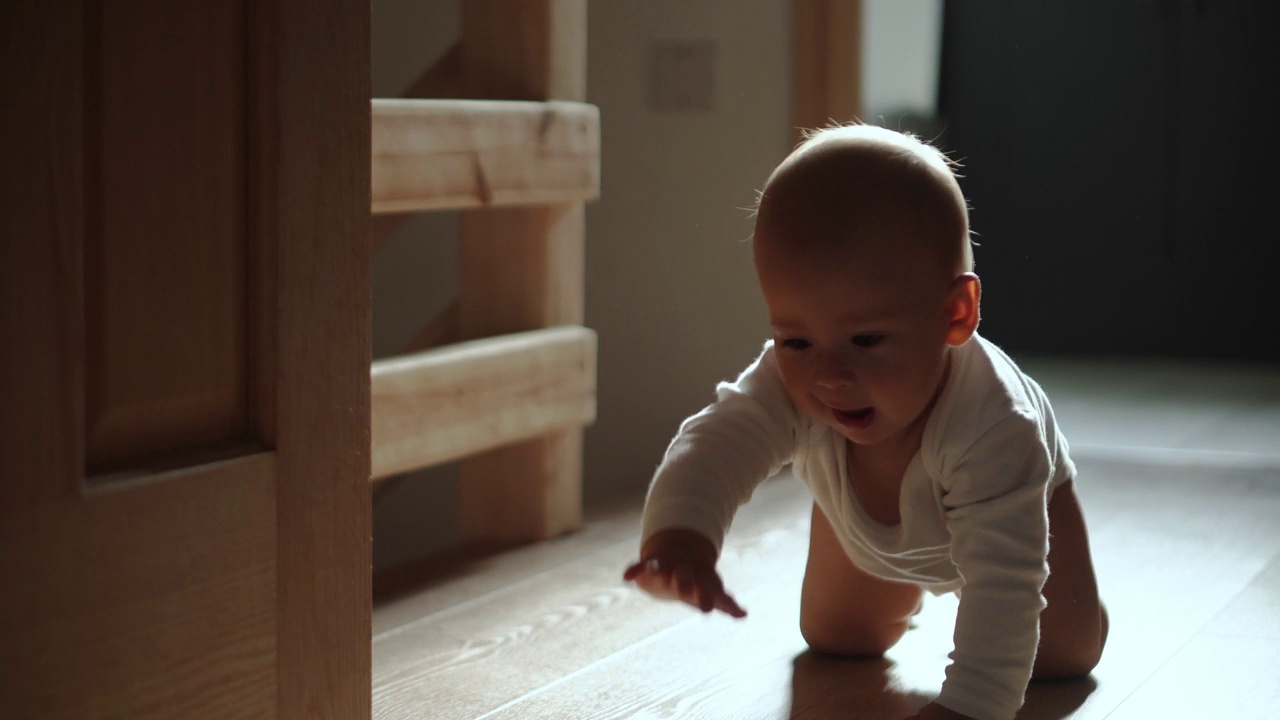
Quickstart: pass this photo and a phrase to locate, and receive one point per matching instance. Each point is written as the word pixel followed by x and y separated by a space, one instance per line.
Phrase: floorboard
pixel 1188 559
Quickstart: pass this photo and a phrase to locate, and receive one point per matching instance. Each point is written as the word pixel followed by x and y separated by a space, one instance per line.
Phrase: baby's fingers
pixel 635 570
pixel 695 586
pixel 650 575
pixel 698 587
pixel 711 596
pixel 727 605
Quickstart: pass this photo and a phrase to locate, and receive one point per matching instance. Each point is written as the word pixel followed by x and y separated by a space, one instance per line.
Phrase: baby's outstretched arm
pixel 680 564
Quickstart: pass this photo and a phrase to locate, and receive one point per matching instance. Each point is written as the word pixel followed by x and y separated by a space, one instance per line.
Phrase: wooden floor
pixel 1188 559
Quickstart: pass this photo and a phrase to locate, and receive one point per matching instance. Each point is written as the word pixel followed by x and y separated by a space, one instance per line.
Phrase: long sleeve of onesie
pixel 996 513
pixel 722 453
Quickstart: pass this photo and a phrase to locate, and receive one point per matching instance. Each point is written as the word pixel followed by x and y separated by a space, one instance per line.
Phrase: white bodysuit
pixel 973 504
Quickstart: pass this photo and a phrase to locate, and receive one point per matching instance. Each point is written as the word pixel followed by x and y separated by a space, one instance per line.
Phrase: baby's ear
pixel 963 302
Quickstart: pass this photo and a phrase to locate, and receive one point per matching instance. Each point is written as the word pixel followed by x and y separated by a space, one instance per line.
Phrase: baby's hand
pixel 681 565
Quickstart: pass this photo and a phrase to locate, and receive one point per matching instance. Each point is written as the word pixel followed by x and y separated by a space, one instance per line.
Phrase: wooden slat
pixel 442 80
pixel 826 63
pixel 522 268
pixel 461 154
pixel 449 403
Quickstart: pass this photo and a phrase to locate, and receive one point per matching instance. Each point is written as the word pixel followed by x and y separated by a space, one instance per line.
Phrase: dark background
pixel 1120 157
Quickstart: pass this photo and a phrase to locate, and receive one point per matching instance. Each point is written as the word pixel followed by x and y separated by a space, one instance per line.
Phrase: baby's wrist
pixel 681 543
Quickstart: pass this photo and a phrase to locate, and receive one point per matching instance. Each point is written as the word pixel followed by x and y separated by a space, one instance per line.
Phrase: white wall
pixel 670 286
pixel 901 51
pixel 669 283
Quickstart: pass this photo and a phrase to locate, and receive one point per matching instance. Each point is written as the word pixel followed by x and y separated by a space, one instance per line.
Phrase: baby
pixel 934 462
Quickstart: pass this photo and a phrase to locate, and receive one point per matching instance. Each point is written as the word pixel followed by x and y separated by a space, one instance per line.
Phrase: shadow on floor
pixel 1056 700
pixel 826 687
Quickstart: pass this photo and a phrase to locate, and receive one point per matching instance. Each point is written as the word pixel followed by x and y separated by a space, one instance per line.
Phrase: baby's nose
pixel 834 382
pixel 833 373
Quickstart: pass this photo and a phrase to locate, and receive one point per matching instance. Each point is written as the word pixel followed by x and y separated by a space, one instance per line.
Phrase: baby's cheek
pixel 910 388
pixel 797 385
pixel 808 404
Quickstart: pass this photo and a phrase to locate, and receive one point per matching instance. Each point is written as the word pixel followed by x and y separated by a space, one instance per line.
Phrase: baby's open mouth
pixel 858 418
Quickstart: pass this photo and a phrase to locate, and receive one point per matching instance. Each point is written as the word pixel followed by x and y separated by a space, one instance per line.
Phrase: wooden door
pixel 184 359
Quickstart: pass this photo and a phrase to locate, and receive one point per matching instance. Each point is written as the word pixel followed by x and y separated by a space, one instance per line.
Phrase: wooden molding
pixel 452 402
pixel 463 154
pixel 826 62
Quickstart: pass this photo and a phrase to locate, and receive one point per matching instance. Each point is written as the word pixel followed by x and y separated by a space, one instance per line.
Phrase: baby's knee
pixel 1064 656
pixel 1066 663
pixel 850 639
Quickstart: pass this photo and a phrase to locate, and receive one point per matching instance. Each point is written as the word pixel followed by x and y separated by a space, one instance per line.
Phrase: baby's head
pixel 863 255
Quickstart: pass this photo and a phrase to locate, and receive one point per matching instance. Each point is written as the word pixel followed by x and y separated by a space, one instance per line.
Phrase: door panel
pixel 166 191
pixel 184 360
pixel 143 602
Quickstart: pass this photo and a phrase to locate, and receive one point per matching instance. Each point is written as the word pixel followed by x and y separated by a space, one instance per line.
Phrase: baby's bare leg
pixel 844 610
pixel 1073 626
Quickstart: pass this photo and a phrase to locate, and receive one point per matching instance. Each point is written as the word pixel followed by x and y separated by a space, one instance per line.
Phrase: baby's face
pixel 861 332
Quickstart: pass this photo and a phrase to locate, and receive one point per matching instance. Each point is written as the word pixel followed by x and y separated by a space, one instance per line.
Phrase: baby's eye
pixel 868 340
pixel 795 343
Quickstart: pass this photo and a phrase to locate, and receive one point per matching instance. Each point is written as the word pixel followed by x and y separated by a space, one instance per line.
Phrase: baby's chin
pixel 866 437
pixel 871 431
pixel 868 432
